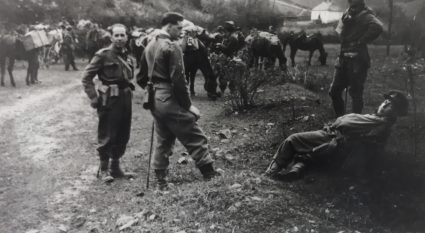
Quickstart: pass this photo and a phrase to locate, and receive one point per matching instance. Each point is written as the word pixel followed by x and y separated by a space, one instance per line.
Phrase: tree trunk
pixel 390 25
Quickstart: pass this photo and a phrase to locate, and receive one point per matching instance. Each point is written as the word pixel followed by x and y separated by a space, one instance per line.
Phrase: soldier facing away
pixel 112 99
pixel 174 115
pixel 358 27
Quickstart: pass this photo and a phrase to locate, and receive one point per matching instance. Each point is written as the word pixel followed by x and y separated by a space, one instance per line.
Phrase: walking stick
pixel 150 156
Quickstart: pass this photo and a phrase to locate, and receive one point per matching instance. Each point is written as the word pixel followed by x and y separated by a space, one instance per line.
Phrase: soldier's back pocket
pixel 163 94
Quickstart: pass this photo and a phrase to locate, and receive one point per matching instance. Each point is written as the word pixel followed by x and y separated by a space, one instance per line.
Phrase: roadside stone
pixel 78 221
pixel 225 134
pixel 235 186
pixel 219 170
pixel 232 209
pixel 229 157
pixel 129 224
pixel 123 220
pixel 63 228
pixel 32 231
pixel 255 198
pixel 153 217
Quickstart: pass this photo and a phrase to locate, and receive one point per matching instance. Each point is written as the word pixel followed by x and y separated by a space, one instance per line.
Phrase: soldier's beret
pixel 399 102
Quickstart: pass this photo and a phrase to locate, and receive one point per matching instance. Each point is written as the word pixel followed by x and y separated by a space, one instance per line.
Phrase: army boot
pixel 208 171
pixel 161 179
pixel 117 172
pixel 273 170
pixel 295 172
pixel 103 172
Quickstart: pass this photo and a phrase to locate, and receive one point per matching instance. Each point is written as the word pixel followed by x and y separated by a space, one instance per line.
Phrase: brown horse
pixel 12 48
pixel 266 49
pixel 303 42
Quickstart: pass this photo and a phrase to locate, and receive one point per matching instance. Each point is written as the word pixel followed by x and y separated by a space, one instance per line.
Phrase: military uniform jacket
pixel 68 42
pixel 232 44
pixel 109 69
pixel 163 58
pixel 358 30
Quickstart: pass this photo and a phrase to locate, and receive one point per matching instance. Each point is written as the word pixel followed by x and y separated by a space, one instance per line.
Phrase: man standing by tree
pixel 173 112
pixel 358 27
pixel 112 99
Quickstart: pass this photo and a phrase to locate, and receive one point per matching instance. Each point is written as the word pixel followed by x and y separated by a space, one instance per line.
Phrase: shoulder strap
pixel 151 68
pixel 124 63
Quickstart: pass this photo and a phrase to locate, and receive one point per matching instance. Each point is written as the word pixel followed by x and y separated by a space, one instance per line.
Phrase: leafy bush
pixel 244 82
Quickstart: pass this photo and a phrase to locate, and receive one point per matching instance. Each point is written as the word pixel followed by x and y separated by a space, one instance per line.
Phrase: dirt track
pixel 47 135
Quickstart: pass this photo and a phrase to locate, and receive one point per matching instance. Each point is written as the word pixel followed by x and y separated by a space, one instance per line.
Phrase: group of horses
pixel 262 50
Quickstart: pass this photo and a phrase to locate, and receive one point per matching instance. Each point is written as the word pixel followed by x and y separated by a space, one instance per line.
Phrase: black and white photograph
pixel 212 116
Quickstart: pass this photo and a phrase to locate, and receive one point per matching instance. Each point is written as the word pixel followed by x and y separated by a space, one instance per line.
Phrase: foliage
pixel 244 82
pixel 246 13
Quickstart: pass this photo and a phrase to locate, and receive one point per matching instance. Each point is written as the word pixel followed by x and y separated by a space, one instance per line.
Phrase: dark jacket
pixel 109 69
pixel 358 30
pixel 165 58
pixel 232 44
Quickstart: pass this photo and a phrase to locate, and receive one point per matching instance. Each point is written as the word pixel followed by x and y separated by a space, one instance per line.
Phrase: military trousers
pixel 174 122
pixel 69 59
pixel 114 124
pixel 300 144
pixel 349 73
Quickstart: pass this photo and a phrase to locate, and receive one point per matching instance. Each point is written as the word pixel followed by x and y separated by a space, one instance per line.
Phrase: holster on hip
pixel 103 94
pixel 149 99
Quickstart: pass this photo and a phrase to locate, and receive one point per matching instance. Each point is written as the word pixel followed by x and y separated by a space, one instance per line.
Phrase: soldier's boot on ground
pixel 161 179
pixel 295 172
pixel 103 172
pixel 273 170
pixel 117 172
pixel 208 171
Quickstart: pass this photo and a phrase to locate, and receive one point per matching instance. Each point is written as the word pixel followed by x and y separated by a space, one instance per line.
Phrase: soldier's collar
pixel 163 34
pixel 118 50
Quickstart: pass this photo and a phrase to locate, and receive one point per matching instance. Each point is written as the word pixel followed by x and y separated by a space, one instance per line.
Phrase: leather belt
pixel 160 80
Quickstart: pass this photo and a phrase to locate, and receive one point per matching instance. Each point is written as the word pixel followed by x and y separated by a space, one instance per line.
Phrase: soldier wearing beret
pixel 368 129
pixel 174 115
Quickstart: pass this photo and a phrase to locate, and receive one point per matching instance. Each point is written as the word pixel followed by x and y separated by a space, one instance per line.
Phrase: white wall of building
pixel 326 16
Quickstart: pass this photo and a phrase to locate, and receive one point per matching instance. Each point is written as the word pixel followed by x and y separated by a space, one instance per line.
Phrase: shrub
pixel 244 82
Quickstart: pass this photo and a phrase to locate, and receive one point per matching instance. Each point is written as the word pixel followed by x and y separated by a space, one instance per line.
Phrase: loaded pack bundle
pixel 35 39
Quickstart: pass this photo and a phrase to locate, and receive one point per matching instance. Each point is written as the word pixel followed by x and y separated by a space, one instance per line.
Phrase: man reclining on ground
pixel 300 148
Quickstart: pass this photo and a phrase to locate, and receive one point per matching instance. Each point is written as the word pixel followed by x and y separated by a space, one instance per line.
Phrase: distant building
pixel 328 11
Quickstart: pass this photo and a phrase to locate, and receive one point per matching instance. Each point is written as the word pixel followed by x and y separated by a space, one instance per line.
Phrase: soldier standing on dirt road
pixel 358 27
pixel 174 115
pixel 68 48
pixel 112 99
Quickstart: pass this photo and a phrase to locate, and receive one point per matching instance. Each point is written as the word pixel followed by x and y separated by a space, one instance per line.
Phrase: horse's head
pixel 322 58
